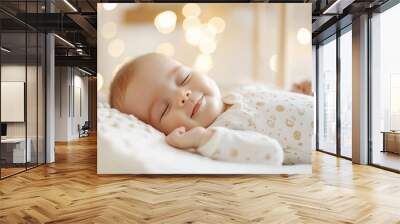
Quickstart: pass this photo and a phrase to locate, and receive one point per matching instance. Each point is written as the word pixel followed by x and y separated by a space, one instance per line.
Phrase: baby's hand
pixel 179 138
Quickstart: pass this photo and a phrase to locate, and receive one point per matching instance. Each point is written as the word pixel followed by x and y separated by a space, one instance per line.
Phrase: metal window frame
pixel 334 37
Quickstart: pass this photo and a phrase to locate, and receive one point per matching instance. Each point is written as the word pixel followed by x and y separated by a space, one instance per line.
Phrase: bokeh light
pixel 127 59
pixel 304 36
pixel 207 45
pixel 100 81
pixel 191 22
pixel 203 63
pixel 116 48
pixel 109 6
pixel 191 10
pixel 166 48
pixel 216 24
pixel 207 32
pixel 193 35
pixel 273 63
pixel 109 30
pixel 165 22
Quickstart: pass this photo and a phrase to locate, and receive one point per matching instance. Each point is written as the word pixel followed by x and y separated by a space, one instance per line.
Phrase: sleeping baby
pixel 249 125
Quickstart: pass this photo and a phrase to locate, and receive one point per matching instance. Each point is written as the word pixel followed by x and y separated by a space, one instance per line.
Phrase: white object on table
pixel 19 149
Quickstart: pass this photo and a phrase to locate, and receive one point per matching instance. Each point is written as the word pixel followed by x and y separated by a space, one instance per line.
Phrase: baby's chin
pixel 213 110
pixel 207 120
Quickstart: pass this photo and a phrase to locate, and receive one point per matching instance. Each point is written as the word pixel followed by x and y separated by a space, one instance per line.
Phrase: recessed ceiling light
pixel 5 50
pixel 338 6
pixel 64 40
pixel 84 71
pixel 70 5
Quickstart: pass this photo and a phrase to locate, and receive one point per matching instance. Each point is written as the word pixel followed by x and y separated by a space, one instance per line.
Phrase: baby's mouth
pixel 197 106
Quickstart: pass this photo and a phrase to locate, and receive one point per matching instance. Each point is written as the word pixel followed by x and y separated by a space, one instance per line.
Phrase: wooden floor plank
pixel 70 191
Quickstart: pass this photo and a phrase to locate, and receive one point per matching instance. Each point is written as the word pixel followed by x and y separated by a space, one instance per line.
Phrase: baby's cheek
pixel 171 123
pixel 168 129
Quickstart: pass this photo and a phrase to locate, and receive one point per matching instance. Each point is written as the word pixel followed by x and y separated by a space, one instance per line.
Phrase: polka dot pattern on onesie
pixel 284 116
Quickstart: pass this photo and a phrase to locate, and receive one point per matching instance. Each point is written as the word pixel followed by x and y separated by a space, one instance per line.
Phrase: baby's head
pixel 164 93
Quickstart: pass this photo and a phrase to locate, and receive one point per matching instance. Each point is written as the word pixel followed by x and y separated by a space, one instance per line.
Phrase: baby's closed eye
pixel 185 78
pixel 165 110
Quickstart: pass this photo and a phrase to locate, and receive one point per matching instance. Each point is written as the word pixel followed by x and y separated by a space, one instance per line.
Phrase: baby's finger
pixel 181 130
pixel 176 131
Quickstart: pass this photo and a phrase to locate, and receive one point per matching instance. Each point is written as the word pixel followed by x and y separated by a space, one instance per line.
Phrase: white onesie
pixel 262 126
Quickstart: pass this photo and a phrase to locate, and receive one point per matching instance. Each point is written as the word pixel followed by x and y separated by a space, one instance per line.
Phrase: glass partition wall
pixel 22 88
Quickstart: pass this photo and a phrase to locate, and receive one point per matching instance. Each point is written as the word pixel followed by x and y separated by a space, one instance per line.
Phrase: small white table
pixel 18 149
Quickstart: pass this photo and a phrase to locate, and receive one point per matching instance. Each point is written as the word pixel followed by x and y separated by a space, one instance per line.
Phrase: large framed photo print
pixel 190 88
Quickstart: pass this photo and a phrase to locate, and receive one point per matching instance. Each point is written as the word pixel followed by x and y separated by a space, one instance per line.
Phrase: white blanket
pixel 128 146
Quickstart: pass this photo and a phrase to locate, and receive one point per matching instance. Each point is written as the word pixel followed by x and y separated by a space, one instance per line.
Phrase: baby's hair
pixel 120 83
pixel 122 79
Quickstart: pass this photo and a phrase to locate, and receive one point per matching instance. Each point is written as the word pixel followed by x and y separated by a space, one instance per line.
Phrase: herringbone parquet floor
pixel 70 191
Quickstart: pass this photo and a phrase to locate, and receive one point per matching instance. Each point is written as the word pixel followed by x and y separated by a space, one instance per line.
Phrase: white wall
pixel 80 109
pixel 61 103
pixel 69 82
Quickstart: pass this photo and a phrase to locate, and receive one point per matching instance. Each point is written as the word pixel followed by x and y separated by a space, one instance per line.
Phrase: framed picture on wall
pixel 173 101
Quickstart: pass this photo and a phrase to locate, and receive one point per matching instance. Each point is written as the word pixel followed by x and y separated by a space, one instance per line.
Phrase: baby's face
pixel 167 95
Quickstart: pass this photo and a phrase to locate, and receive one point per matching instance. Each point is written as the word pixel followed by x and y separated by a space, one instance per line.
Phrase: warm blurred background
pixel 233 43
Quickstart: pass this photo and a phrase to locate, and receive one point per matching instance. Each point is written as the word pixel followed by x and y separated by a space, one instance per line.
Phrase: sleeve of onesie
pixel 241 146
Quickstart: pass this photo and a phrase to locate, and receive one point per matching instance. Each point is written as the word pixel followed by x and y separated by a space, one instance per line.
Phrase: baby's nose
pixel 184 97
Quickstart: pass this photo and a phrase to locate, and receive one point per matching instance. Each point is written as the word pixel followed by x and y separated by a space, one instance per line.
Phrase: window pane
pixel 327 97
pixel 385 88
pixel 346 94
